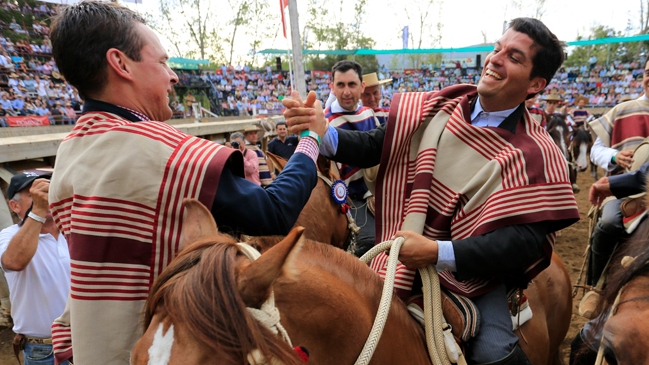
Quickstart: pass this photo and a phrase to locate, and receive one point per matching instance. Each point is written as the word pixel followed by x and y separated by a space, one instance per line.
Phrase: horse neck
pixel 331 289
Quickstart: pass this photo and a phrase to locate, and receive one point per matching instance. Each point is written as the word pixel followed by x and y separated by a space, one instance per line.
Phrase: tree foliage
pixel 424 31
pixel 605 53
pixel 331 28
pixel 189 26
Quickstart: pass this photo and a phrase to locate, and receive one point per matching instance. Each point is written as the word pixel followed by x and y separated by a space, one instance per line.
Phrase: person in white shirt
pixel 618 132
pixel 36 262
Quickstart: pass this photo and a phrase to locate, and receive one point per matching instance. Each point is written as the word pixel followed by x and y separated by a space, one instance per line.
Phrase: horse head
pixel 197 308
pixel 579 147
pixel 558 130
pixel 625 301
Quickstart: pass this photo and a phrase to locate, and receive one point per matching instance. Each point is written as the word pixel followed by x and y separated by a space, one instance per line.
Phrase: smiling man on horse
pixel 472 182
pixel 122 173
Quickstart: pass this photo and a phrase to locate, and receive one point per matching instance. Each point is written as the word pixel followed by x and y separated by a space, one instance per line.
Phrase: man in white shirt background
pixel 36 262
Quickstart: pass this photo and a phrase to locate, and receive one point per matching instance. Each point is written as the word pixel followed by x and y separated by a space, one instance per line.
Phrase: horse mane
pixel 199 291
pixel 618 275
pixel 581 135
pixel 557 119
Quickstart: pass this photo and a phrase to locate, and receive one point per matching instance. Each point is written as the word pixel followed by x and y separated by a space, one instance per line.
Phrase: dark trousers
pixel 606 235
pixel 496 339
pixel 366 238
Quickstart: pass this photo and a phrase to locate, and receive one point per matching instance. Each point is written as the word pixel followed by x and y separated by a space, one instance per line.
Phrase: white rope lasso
pixel 433 319
pixel 268 314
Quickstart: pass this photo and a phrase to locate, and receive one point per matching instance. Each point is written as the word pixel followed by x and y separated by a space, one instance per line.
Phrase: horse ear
pixel 198 223
pixel 277 161
pixel 255 281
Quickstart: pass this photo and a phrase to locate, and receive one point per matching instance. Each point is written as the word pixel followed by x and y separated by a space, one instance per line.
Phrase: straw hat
pixel 251 128
pixel 373 80
pixel 581 97
pixel 13 74
pixel 552 97
pixel 56 74
pixel 625 98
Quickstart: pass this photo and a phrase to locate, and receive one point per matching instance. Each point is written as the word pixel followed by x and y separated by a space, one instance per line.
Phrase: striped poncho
pixel 625 126
pixel 363 119
pixel 116 194
pixel 448 180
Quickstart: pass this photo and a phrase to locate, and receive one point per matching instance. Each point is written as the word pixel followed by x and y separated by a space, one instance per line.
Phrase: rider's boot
pixel 602 245
pixel 516 357
pixel 580 353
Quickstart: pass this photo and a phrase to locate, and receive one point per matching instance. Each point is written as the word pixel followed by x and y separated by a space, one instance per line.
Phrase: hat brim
pixel 381 82
pixel 26 183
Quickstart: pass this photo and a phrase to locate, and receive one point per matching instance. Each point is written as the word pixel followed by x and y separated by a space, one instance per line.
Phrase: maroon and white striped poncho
pixel 448 180
pixel 625 126
pixel 121 214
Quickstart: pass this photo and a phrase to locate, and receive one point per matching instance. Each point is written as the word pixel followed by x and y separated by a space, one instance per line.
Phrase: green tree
pixel 258 31
pixel 242 18
pixel 603 52
pixel 189 26
pixel 424 32
pixel 341 29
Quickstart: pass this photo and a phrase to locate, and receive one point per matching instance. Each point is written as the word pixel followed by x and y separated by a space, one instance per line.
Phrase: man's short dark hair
pixel 280 123
pixel 549 53
pixel 346 65
pixel 82 34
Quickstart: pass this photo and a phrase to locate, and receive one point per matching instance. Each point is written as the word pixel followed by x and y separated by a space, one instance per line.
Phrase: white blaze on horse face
pixel 160 350
pixel 582 160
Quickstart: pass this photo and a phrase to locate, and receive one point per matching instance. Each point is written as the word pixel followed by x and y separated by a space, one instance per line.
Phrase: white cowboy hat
pixel 373 80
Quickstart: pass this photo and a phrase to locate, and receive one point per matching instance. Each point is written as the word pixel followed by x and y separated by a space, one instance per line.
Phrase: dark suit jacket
pixel 629 184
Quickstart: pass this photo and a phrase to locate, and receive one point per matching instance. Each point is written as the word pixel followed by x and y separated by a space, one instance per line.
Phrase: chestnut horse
pixel 625 303
pixel 327 300
pixel 326 222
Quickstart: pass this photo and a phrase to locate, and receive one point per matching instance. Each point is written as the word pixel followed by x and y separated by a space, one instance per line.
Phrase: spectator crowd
pixel 30 83
pixel 242 91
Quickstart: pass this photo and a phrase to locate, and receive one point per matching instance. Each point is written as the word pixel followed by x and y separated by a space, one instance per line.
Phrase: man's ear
pixel 537 85
pixel 362 86
pixel 13 205
pixel 119 63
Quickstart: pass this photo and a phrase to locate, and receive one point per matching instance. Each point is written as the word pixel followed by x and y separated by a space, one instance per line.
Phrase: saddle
pixel 463 317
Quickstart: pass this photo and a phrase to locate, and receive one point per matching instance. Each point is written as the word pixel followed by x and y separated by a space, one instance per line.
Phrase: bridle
pixel 352 228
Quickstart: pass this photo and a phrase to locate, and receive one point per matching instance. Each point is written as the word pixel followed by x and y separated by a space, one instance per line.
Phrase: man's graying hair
pixel 82 34
pixel 235 135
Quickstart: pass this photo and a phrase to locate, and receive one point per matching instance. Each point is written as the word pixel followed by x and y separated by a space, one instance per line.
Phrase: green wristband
pixel 614 159
pixel 312 134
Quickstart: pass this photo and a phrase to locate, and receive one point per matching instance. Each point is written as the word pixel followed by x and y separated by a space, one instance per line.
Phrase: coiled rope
pixel 433 320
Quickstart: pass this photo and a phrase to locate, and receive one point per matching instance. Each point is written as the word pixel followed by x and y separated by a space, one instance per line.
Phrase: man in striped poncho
pixel 471 181
pixel 345 113
pixel 122 173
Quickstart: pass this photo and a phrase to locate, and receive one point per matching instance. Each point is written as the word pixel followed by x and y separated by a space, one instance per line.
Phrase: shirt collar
pixel 336 108
pixel 91 105
pixel 643 97
pixel 502 114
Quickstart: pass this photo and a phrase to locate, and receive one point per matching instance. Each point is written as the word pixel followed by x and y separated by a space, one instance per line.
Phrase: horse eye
pixel 609 356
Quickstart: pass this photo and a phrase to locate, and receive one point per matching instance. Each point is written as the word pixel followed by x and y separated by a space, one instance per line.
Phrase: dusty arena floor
pixel 571 243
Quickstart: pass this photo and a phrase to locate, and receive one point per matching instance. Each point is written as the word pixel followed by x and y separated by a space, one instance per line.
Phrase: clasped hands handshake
pixel 304 114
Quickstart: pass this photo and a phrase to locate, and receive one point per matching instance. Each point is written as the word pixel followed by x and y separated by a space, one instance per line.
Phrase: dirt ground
pixel 571 243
